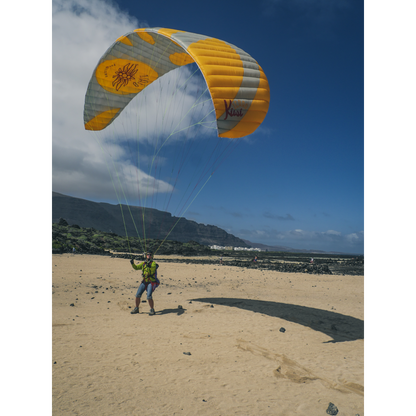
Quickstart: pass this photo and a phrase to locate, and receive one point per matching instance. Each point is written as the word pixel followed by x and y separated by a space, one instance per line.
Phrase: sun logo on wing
pixel 124 75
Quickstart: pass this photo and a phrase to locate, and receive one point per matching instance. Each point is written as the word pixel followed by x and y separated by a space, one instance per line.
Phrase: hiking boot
pixel 135 310
pixel 152 312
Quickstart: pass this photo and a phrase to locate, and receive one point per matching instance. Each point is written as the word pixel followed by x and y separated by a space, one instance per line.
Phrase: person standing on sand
pixel 149 283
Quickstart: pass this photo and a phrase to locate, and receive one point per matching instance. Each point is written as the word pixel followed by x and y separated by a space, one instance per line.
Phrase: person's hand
pixel 132 261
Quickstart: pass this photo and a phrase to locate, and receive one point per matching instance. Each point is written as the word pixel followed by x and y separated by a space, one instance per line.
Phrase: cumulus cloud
pixel 81 32
pixel 94 165
pixel 330 240
pixel 355 238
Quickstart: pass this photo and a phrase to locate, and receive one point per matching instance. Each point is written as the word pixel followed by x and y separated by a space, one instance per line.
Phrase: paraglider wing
pixel 237 84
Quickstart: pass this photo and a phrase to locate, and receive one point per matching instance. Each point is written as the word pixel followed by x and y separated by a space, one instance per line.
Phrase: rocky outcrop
pixel 63 222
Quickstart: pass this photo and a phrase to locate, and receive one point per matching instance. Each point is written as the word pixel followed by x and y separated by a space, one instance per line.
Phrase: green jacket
pixel 148 270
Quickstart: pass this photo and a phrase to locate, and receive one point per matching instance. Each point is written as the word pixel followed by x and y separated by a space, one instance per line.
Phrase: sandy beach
pixel 224 341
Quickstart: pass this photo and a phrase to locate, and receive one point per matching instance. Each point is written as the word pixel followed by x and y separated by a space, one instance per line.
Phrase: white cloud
pixel 332 232
pixel 355 238
pixel 82 160
pixel 81 32
pixel 330 240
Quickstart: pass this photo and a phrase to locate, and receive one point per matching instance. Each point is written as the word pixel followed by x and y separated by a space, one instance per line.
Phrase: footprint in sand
pixel 291 370
pixel 124 305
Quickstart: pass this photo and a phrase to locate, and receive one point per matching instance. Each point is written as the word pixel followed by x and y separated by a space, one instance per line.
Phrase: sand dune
pixel 224 341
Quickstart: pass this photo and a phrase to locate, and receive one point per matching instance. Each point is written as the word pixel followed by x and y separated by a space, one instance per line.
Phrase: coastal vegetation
pixel 73 238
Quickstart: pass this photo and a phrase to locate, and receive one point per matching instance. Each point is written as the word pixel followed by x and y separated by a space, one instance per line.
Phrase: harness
pixel 148 276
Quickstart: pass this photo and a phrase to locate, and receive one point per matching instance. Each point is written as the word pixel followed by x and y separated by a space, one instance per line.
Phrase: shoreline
pixel 334 266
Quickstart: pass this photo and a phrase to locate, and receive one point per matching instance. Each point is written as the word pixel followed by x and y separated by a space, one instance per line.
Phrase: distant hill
pixel 109 218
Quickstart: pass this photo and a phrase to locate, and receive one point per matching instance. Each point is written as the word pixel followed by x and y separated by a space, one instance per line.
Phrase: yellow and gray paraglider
pixel 237 84
pixel 182 101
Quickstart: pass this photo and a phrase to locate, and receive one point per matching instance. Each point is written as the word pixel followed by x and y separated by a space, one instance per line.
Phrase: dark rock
pixel 187 353
pixel 71 304
pixel 62 222
pixel 332 409
pixel 282 329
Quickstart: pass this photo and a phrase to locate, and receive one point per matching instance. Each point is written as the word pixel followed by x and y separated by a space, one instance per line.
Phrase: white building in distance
pixel 215 247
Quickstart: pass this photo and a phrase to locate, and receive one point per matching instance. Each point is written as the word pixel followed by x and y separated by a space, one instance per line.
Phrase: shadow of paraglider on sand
pixel 339 327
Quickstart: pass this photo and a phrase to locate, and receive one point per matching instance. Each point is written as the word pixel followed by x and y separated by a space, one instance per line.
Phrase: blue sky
pixel 298 181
